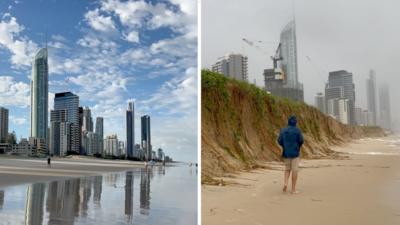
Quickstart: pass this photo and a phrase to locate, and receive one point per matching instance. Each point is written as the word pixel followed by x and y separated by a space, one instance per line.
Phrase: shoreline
pixel 16 170
pixel 362 189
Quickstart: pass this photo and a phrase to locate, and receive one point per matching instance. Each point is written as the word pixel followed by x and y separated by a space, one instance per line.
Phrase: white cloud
pixel 18 120
pixel 99 22
pixel 178 96
pixel 22 49
pixel 132 36
pixel 14 93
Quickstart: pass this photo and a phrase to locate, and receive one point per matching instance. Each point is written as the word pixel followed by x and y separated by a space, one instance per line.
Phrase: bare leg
pixel 294 181
pixel 286 181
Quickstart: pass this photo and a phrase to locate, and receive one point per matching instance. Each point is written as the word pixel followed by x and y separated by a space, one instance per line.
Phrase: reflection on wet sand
pixel 107 199
pixel 1 198
pixel 129 195
pixel 145 175
pixel 69 199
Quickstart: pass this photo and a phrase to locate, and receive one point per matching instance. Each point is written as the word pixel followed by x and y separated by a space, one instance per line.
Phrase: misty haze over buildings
pixel 331 35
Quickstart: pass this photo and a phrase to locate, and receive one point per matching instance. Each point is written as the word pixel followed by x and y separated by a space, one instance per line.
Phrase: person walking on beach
pixel 291 139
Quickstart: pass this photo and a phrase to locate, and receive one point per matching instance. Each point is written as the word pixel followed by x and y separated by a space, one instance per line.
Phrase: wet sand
pixel 18 170
pixel 360 190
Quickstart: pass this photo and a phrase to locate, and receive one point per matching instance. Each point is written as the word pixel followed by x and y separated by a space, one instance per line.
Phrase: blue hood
pixel 292 121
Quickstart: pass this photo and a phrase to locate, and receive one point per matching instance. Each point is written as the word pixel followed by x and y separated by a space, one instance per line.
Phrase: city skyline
pixel 108 60
pixel 337 40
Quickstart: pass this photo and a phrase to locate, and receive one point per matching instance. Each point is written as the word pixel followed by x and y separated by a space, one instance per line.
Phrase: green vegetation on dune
pixel 241 122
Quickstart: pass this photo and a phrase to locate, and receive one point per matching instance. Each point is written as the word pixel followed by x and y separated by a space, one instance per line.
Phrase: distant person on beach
pixel 291 139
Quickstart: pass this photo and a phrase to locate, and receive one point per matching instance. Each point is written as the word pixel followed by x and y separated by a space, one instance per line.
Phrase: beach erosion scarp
pixel 241 122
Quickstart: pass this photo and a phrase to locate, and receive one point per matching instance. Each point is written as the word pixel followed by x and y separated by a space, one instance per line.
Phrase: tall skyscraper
pixel 282 80
pixel 56 118
pixel 87 126
pixel 3 124
pixel 69 102
pixel 384 107
pixel 146 137
pixel 39 95
pixel 100 133
pixel 232 65
pixel 288 52
pixel 130 131
pixel 320 102
pixel 87 122
pixel 340 85
pixel 371 96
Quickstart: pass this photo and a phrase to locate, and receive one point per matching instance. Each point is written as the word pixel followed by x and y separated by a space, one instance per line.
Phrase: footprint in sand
pixel 240 210
pixel 212 211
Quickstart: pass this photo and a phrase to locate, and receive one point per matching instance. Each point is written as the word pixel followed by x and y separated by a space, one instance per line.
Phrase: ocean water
pixel 158 195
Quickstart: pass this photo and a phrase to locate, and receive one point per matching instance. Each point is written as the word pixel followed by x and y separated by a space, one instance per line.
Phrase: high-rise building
pixel 232 65
pixel 87 122
pixel 111 145
pixel 282 80
pixel 371 96
pixel 91 143
pixel 39 95
pixel 80 129
pixel 367 118
pixel 3 124
pixel 56 118
pixel 68 102
pixel 288 53
pixel 146 137
pixel 384 107
pixel 320 102
pixel 358 115
pixel 340 85
pixel 344 113
pixel 130 131
pixel 333 108
pixel 87 126
pixel 100 133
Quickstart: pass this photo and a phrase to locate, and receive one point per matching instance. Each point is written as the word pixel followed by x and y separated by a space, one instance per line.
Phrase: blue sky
pixel 108 52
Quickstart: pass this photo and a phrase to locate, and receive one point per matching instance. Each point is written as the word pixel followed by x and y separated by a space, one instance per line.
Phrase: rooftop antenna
pixel 293 13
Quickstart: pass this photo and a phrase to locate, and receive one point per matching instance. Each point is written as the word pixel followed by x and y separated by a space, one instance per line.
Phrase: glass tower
pixel 130 130
pixel 39 95
pixel 146 137
pixel 288 52
pixel 70 103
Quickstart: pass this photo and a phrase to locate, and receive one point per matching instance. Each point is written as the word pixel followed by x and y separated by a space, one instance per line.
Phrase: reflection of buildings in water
pixel 129 194
pixel 1 199
pixel 97 189
pixel 85 192
pixel 34 204
pixel 112 179
pixel 62 202
pixel 145 174
pixel 161 170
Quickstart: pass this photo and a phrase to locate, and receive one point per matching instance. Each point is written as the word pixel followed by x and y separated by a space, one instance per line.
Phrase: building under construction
pixel 282 79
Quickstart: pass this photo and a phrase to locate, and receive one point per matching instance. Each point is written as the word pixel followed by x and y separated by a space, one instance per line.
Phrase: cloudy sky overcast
pixel 354 35
pixel 108 52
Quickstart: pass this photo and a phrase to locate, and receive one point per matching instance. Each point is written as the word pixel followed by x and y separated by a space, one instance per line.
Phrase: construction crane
pixel 275 59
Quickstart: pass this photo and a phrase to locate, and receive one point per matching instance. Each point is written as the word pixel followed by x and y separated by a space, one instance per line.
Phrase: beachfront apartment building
pixel 340 85
pixel 232 65
pixel 3 124
pixel 39 95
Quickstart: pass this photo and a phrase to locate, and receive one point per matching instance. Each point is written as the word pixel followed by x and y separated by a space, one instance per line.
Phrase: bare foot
pixel 295 192
pixel 284 188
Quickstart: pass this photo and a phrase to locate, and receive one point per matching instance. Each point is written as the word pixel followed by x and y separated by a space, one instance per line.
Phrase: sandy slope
pixel 361 190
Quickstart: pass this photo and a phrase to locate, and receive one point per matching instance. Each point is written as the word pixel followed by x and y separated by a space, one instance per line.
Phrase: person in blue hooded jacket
pixel 291 139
